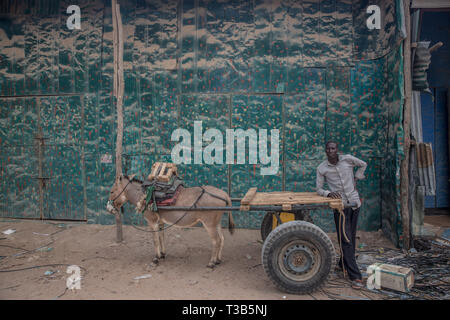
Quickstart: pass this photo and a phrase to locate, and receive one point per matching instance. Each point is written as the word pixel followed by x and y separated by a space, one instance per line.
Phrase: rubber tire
pixel 266 225
pixel 298 230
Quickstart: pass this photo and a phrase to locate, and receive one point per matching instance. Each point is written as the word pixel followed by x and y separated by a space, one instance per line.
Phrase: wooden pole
pixel 404 176
pixel 118 89
pixel 448 123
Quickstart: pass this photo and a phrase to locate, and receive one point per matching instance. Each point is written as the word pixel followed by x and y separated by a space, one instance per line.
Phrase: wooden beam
pixel 118 89
pixel 404 168
pixel 448 115
pixel 249 196
pixel 436 46
pixel 430 4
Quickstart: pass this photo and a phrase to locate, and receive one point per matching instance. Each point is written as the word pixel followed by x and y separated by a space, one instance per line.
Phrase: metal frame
pixel 295 208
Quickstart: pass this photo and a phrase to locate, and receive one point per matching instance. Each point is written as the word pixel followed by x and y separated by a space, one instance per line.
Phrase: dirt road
pixel 112 271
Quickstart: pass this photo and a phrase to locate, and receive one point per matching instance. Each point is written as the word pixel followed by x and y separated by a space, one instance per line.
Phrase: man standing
pixel 337 171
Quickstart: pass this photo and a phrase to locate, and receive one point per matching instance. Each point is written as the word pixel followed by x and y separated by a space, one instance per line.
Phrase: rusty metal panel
pixel 390 178
pixel 19 188
pixel 373 45
pixel 340 116
pixel 256 112
pixel 62 124
pixel 308 68
pixel 426 169
pixel 305 115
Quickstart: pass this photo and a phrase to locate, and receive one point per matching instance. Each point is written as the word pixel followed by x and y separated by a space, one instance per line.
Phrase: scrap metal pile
pixel 430 260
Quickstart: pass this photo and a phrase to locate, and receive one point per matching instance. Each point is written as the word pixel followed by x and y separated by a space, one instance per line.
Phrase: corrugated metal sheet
pixel 434 28
pixel 425 166
pixel 416 117
pixel 309 68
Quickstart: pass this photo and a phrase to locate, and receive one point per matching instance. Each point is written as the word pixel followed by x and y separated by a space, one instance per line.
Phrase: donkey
pixel 130 189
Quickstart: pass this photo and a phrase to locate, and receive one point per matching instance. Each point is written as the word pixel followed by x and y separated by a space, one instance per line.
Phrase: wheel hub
pixel 298 259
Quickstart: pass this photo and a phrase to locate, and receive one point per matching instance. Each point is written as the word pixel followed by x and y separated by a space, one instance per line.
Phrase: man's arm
pixel 320 179
pixel 359 175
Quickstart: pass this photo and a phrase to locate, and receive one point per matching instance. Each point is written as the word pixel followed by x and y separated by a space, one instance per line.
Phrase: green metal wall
pixel 311 69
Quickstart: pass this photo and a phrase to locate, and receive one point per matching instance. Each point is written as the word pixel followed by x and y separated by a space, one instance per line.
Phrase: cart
pixel 297 255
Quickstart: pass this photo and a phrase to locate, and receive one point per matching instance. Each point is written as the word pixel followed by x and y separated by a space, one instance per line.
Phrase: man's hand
pixel 334 195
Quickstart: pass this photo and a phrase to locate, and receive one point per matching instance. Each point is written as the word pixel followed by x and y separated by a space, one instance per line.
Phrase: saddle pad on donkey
pixel 171 201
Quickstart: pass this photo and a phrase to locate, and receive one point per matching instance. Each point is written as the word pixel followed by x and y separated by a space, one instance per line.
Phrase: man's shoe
pixel 357 284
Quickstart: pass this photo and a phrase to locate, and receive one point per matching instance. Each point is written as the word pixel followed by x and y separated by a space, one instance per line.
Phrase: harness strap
pixel 215 196
pixel 129 181
pixel 185 213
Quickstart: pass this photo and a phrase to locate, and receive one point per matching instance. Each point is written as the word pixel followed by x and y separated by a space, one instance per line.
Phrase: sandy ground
pixel 109 269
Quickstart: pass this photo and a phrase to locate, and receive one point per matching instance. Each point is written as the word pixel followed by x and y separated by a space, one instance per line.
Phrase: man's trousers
pixel 348 247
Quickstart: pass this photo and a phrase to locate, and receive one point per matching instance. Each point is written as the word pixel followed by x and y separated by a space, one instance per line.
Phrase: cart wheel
pixel 266 225
pixel 298 257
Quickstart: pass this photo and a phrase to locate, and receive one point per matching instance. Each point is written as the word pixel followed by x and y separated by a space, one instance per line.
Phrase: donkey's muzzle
pixel 110 207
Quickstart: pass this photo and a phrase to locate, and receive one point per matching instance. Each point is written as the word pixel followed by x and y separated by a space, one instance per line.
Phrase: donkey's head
pixel 117 195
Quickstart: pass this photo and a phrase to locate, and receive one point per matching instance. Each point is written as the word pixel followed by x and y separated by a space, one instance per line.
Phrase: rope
pixel 342 230
pixel 340 245
pixel 341 213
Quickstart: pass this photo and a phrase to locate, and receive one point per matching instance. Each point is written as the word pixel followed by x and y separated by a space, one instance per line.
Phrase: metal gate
pixel 42 165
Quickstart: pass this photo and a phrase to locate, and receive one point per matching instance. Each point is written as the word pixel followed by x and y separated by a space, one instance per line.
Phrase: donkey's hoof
pixel 163 256
pixel 211 265
pixel 218 261
pixel 155 260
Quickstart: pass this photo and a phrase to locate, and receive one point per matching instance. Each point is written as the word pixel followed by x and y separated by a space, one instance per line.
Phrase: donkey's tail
pixel 230 217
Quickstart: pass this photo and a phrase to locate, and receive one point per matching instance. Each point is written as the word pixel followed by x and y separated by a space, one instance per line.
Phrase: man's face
pixel 331 150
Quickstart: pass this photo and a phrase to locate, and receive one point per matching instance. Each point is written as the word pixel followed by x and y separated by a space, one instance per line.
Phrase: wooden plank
pixel 404 166
pixel 287 199
pixel 154 172
pixel 163 169
pixel 166 177
pixel 268 198
pixel 430 4
pixel 248 196
pixel 118 90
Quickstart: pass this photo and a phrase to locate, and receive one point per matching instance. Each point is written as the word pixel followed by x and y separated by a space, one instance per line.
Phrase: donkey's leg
pixel 156 241
pixel 215 239
pixel 161 240
pixel 153 223
pixel 221 238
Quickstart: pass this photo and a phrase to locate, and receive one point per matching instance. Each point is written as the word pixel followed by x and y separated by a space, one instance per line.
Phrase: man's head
pixel 331 149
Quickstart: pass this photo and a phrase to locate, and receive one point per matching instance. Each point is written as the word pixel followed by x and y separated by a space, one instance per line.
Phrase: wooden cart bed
pixel 286 199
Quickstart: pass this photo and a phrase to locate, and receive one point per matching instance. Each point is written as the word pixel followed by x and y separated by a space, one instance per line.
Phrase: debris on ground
pixel 41 234
pixel 9 231
pixel 365 259
pixel 389 276
pixel 430 261
pixel 446 234
pixel 145 276
pixel 22 266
